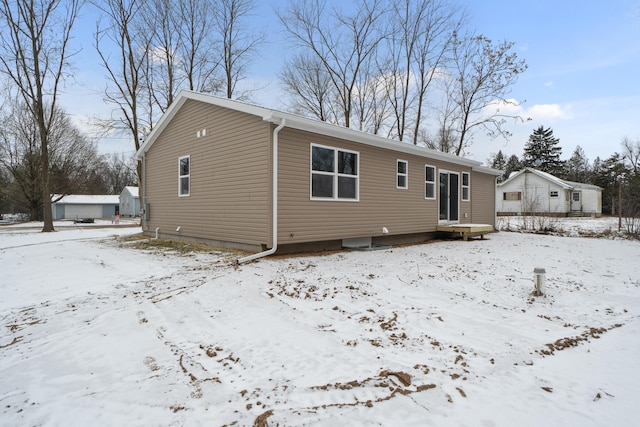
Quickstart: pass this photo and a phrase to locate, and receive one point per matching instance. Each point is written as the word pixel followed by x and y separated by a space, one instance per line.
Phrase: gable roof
pixel 85 199
pixel 134 191
pixel 567 185
pixel 306 124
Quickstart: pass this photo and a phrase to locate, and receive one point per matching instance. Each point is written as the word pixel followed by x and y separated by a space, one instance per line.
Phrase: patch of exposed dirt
pixel 564 343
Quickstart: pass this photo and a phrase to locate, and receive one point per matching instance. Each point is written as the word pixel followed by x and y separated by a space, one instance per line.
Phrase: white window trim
pixel 335 174
pixel 435 188
pixel 184 176
pixel 462 187
pixel 406 174
pixel 554 193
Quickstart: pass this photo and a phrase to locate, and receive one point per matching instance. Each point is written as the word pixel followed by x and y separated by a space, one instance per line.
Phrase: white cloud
pixel 550 112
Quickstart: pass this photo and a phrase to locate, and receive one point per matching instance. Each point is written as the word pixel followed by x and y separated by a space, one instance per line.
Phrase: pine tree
pixel 513 165
pixel 498 161
pixel 577 168
pixel 542 151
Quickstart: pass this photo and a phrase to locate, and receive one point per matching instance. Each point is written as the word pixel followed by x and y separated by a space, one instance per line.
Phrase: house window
pixel 465 186
pixel 334 174
pixel 553 194
pixel 402 180
pixel 429 182
pixel 184 175
pixel 512 195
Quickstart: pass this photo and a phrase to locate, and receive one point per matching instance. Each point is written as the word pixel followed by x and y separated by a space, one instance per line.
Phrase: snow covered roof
pixel 568 185
pixel 295 121
pixel 86 199
pixel 132 190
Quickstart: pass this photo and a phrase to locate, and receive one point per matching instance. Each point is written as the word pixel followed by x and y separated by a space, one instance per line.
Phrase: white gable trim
pixel 310 125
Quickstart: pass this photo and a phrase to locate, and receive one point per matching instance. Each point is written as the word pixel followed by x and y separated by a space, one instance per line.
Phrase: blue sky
pixel 582 80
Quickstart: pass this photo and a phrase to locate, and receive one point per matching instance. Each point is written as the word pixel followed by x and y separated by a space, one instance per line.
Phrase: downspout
pixel 274 203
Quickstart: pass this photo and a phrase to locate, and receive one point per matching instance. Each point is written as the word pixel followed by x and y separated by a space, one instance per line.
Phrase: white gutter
pixel 274 214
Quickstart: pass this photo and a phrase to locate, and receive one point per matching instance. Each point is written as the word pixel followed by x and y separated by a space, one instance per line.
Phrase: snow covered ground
pixel 96 332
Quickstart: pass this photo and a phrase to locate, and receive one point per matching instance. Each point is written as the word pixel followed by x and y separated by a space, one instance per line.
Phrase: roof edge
pixel 303 123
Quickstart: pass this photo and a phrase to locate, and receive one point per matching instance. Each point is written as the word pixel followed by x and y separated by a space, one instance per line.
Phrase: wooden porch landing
pixel 467 230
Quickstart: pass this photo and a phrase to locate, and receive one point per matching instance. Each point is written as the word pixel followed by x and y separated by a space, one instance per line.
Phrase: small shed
pixel 85 206
pixel 534 192
pixel 130 201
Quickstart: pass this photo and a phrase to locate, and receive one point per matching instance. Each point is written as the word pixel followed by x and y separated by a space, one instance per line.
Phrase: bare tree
pixel 481 74
pixel 161 20
pixel 197 46
pixel 118 172
pixel 20 155
pixel 34 47
pixel 127 70
pixel 305 78
pixel 371 103
pixel 72 158
pixel 423 34
pixel 631 152
pixel 342 44
pixel 238 43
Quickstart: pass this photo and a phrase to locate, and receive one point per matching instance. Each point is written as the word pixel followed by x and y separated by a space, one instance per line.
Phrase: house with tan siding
pixel 237 175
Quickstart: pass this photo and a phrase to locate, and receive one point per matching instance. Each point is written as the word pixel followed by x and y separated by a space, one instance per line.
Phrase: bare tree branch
pixel 34 55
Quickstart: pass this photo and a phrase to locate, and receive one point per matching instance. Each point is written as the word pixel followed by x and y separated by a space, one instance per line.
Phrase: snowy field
pixel 97 332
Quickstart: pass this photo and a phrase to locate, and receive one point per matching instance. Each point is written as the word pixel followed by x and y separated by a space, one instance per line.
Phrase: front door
pixel 576 205
pixel 449 204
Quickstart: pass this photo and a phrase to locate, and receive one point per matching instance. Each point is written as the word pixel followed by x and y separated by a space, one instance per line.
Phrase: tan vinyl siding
pixel 483 193
pixel 381 203
pixel 230 176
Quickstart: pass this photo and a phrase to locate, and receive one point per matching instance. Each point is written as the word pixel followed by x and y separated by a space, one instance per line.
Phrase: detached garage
pixel 86 206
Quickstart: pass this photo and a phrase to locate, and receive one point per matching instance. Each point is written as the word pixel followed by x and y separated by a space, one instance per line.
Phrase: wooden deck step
pixel 467 230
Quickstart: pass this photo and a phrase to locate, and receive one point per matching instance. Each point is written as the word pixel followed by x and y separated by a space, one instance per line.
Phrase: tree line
pixel 75 167
pixel 618 175
pixel 410 70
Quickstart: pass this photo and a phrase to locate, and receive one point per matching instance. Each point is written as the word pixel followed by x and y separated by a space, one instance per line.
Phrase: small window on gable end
pixel 429 182
pixel 184 176
pixel 402 180
pixel 553 193
pixel 466 186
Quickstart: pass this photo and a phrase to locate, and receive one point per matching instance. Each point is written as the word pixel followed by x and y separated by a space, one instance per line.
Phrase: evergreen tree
pixel 596 170
pixel 513 165
pixel 607 174
pixel 542 151
pixel 497 161
pixel 577 168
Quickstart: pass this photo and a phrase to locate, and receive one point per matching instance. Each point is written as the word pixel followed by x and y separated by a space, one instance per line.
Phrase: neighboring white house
pixel 85 206
pixel 534 192
pixel 130 202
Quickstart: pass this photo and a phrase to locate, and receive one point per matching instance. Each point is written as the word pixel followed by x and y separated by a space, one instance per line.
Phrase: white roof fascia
pixel 488 170
pixel 511 178
pixel 302 123
pixel 89 199
pixel 543 175
pixel 552 178
pixel 341 132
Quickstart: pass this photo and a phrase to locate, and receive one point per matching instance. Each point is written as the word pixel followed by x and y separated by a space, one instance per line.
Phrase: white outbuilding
pixel 130 201
pixel 75 206
pixel 533 192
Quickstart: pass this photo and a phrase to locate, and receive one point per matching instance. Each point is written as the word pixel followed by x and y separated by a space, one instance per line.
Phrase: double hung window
pixel 184 176
pixel 429 182
pixel 466 185
pixel 402 180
